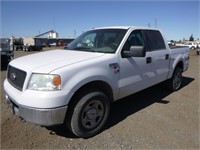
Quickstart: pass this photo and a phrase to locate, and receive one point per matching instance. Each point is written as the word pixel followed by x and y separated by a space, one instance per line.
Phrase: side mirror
pixel 135 51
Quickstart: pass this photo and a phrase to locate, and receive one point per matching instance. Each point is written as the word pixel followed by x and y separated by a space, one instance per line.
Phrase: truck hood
pixel 46 62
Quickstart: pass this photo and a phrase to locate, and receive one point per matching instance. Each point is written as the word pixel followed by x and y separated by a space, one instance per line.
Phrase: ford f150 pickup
pixel 75 86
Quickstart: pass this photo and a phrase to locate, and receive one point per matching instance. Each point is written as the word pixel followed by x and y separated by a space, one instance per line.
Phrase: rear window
pixel 154 40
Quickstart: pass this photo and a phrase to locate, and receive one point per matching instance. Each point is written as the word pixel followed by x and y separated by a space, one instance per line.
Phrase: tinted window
pixel 154 40
pixel 134 39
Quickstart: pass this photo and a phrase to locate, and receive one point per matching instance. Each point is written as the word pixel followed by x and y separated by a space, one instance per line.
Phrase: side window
pixel 134 39
pixel 154 40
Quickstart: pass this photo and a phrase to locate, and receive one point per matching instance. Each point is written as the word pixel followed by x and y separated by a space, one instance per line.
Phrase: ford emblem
pixel 13 76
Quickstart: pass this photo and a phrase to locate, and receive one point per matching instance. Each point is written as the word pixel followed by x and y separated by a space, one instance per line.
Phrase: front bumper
pixel 45 117
pixel 43 108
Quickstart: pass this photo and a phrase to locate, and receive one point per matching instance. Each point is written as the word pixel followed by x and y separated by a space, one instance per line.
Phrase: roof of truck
pixel 125 27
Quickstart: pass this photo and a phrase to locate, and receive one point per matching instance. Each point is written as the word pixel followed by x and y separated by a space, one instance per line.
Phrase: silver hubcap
pixel 92 114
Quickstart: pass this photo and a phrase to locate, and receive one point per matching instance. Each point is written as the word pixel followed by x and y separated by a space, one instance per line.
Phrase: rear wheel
pixel 175 82
pixel 89 114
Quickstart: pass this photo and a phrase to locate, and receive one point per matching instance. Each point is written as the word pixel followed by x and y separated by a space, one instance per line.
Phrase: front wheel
pixel 175 82
pixel 89 114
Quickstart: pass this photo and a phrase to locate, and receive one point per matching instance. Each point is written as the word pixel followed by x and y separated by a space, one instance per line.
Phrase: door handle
pixel 167 56
pixel 148 60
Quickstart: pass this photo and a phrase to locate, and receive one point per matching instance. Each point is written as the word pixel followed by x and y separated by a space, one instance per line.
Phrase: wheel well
pixel 180 64
pixel 98 85
pixel 94 85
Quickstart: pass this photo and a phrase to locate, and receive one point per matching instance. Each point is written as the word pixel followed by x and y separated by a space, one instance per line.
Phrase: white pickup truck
pixel 76 86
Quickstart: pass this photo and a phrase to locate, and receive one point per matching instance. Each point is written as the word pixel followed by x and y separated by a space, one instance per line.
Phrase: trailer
pixel 33 44
pixel 29 43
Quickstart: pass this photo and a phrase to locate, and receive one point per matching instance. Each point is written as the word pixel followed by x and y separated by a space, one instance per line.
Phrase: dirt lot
pixel 152 119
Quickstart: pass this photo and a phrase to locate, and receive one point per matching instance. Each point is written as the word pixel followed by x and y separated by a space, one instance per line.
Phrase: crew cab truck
pixel 76 86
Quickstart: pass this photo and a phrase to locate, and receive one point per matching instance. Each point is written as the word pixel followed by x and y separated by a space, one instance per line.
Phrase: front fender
pixel 75 77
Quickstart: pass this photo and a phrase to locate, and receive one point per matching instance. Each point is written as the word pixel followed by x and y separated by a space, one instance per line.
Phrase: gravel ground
pixel 152 119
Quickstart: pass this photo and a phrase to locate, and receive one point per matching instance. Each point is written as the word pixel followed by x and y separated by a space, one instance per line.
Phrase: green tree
pixel 191 38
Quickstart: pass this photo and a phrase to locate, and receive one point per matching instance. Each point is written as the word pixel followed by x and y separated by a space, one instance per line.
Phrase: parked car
pixel 171 43
pixel 192 45
pixel 103 65
pixel 52 44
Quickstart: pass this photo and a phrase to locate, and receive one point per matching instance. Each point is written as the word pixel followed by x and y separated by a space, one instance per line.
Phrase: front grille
pixel 16 77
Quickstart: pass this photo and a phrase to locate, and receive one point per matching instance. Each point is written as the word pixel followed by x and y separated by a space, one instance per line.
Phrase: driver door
pixel 135 72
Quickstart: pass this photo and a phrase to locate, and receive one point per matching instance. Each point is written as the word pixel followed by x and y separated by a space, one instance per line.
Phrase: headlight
pixel 44 82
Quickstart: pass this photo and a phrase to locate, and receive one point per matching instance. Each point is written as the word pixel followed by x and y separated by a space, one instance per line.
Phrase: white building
pixel 53 34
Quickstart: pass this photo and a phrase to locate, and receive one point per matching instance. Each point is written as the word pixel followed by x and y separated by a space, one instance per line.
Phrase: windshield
pixel 100 40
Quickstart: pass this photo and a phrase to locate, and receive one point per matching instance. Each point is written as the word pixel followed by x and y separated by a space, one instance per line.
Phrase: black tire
pixel 30 48
pixel 89 114
pixel 175 82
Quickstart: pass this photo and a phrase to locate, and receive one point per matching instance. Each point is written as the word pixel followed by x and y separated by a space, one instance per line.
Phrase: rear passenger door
pixel 160 56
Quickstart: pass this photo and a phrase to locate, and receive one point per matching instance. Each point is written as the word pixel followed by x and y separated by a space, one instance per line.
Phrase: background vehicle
pixel 29 43
pixel 76 86
pixel 192 45
pixel 32 44
pixel 6 49
pixel 171 43
pixel 52 44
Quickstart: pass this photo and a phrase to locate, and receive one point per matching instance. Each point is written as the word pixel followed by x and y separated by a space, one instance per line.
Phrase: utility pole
pixel 155 22
pixel 74 33
pixel 54 24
